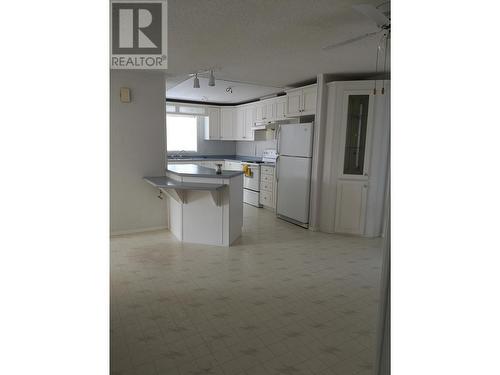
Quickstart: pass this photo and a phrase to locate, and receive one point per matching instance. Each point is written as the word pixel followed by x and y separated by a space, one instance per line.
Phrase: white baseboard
pixel 133 231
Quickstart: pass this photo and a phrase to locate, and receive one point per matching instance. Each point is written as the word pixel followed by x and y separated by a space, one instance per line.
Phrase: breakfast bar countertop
pixel 193 170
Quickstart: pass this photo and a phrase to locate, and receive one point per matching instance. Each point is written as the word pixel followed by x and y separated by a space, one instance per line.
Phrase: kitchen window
pixel 182 133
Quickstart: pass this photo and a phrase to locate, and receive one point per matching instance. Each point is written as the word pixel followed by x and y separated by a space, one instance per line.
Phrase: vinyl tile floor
pixel 283 300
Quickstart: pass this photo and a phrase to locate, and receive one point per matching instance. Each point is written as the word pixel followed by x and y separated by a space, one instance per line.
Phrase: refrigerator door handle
pixel 278 131
pixel 277 169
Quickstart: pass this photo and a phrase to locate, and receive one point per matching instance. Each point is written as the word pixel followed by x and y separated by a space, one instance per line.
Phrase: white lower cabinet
pixel 267 187
pixel 351 207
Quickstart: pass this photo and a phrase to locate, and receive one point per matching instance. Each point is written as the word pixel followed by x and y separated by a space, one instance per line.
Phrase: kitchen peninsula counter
pixel 203 206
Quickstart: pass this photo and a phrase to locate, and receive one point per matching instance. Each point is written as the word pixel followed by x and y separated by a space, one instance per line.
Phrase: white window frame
pixel 196 126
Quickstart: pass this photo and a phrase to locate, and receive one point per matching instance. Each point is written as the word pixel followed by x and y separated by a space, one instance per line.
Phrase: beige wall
pixel 137 137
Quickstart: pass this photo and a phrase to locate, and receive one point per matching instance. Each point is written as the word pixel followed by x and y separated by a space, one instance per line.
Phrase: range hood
pixel 268 124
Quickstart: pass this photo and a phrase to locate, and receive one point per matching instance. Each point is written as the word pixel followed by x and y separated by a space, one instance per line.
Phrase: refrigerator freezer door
pixel 296 140
pixel 294 175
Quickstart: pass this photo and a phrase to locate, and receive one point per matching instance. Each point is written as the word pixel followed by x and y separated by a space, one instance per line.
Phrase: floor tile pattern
pixel 284 300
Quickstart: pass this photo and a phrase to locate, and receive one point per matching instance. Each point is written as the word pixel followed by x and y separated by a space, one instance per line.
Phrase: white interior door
pixel 294 174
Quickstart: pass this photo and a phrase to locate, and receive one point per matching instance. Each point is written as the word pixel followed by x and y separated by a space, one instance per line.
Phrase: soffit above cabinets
pixel 238 92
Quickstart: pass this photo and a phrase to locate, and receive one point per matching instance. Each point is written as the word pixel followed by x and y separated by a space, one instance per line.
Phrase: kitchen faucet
pixel 179 154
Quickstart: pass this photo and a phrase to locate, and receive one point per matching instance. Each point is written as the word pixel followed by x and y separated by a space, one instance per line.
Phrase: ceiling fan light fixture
pixel 211 79
pixel 196 82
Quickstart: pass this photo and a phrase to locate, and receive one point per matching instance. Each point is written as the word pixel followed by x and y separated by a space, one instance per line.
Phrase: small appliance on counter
pixel 218 170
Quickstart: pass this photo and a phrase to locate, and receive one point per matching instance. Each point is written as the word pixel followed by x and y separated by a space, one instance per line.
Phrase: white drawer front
pixel 266 198
pixel 251 197
pixel 267 178
pixel 267 170
pixel 266 185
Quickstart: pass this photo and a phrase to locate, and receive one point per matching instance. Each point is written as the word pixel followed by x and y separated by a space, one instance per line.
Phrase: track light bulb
pixel 211 80
pixel 196 82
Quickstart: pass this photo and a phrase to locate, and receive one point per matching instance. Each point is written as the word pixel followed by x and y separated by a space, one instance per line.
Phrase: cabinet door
pixel 227 121
pixel 239 126
pixel 309 100
pixel 353 179
pixel 260 111
pixel 351 207
pixel 357 118
pixel 212 123
pixel 294 103
pixel 270 110
pixel 250 115
pixel 281 108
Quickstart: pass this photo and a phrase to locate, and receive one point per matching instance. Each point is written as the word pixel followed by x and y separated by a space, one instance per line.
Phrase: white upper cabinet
pixel 228 120
pixel 239 126
pixel 302 101
pixel 212 124
pixel 245 119
pixel 270 105
pixel 280 107
pixel 265 110
pixel 260 111
pixel 309 100
pixel 250 116
pixel 294 104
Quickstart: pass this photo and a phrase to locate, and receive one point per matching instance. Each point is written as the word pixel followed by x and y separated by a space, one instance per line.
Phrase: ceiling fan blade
pixel 348 41
pixel 371 12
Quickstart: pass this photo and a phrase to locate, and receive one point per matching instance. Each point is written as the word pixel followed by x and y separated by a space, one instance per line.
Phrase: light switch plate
pixel 124 94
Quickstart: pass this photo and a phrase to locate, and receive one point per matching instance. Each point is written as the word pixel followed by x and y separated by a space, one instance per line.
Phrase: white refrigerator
pixel 293 172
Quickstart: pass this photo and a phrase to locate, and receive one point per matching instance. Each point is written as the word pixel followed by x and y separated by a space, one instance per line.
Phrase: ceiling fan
pixel 375 13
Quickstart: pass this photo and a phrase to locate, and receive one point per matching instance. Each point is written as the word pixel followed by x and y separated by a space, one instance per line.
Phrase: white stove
pixel 251 184
pixel 269 156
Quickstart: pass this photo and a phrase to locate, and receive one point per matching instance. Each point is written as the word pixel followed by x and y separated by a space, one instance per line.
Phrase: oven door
pixel 253 182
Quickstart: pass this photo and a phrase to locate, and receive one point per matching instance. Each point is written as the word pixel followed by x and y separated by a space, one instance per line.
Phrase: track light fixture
pixel 196 82
pixel 211 79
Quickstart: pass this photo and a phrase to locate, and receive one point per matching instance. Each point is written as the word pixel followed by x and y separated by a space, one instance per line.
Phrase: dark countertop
pixel 216 157
pixel 193 170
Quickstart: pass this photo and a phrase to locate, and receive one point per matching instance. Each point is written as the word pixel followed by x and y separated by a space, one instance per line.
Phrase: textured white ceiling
pixel 270 42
